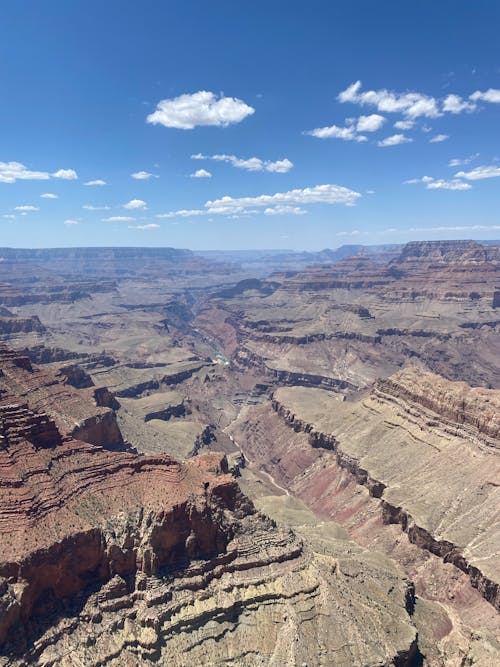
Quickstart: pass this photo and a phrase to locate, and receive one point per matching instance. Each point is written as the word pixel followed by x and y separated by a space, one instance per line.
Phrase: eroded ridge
pixel 429 449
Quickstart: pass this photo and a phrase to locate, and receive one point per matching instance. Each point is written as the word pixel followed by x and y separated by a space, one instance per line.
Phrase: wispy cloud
pixel 143 175
pixel 440 183
pixel 479 173
pixel 459 162
pixel 438 138
pixel 249 164
pixel 97 181
pixel 49 195
pixel 71 222
pixel 148 226
pixel 91 207
pixel 26 208
pixel 202 108
pixel 118 218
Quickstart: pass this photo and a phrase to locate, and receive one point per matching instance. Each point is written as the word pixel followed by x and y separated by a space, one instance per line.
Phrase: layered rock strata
pixel 428 448
pixel 109 558
pixel 79 413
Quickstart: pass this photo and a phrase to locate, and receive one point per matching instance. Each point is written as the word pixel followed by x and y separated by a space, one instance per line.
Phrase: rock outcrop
pixel 110 558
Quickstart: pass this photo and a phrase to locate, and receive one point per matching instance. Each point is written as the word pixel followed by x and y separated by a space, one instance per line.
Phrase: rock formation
pixel 110 558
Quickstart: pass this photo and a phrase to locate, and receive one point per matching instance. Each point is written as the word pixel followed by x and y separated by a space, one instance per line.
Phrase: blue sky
pixel 330 122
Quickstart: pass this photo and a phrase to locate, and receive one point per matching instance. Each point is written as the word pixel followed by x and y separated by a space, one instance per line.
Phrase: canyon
pixel 268 459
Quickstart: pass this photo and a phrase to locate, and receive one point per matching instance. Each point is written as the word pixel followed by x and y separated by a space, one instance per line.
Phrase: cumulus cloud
pixel 491 95
pixel 135 204
pixel 413 105
pixel 404 124
pixel 456 104
pixel 285 210
pixel 118 218
pixel 10 172
pixel 394 140
pixel 202 108
pixel 97 181
pixel 249 164
pixel 143 175
pixel 231 206
pixel 370 123
pixel 150 225
pixel 26 208
pixel 71 222
pixel 479 173
pixel 201 173
pixel 438 138
pixel 66 174
pixel 335 132
pixel 49 195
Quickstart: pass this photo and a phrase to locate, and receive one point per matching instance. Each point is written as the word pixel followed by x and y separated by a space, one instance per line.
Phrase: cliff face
pixel 412 432
pixel 111 558
pixel 75 412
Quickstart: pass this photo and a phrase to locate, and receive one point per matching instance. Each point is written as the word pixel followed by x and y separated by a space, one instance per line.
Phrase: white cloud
pixel 71 222
pixel 97 181
pixel 48 195
pixel 395 140
pixel 438 138
pixel 457 162
pixel 66 174
pixel 319 194
pixel 479 173
pixel 443 184
pixel 249 164
pixel 439 183
pixel 151 225
pixel 404 124
pixel 201 173
pixel 202 108
pixel 412 105
pixel 10 172
pixel 135 204
pixel 457 228
pixel 26 208
pixel 183 213
pixel 370 123
pixel 491 95
pixel 118 218
pixel 91 207
pixel 456 104
pixel 143 175
pixel 9 216
pixel 335 132
pixel 285 210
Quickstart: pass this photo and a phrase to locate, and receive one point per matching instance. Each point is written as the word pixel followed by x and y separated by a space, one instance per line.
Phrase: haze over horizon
pixel 218 126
